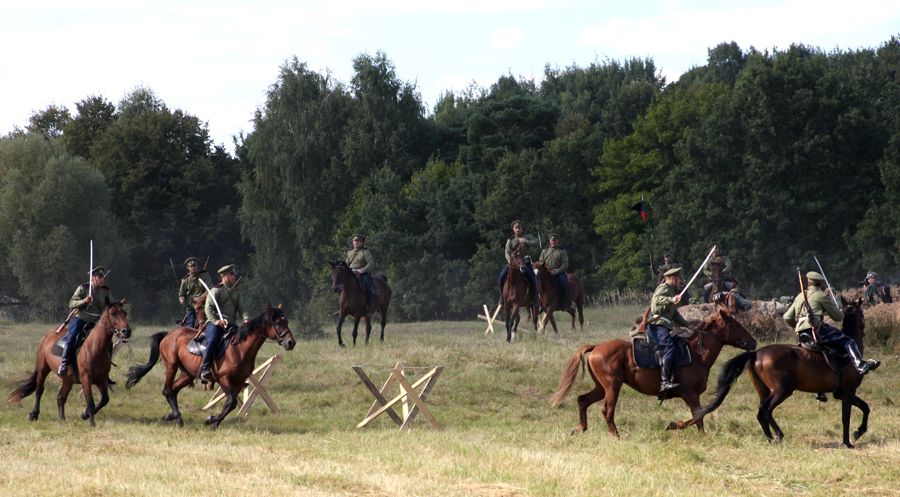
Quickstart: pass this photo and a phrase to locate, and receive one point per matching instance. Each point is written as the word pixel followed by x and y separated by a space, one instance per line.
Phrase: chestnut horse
pixel 230 371
pixel 352 301
pixel 92 365
pixel 550 298
pixel 777 370
pixel 611 364
pixel 516 293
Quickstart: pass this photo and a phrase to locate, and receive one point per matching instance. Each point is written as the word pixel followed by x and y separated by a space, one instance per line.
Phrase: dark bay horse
pixel 611 364
pixel 777 370
pixel 550 298
pixel 516 293
pixel 230 371
pixel 92 365
pixel 352 301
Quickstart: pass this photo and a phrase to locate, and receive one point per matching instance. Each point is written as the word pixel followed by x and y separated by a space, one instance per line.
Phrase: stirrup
pixel 667 385
pixel 867 365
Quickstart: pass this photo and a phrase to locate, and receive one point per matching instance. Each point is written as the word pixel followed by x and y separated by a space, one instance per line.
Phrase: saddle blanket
pixel 647 356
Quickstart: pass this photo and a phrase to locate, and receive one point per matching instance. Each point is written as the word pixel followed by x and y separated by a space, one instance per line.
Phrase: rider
pixel 228 299
pixel 190 289
pixel 876 291
pixel 556 260
pixel 669 263
pixel 520 238
pixel 90 300
pixel 724 281
pixel 360 261
pixel 818 295
pixel 663 316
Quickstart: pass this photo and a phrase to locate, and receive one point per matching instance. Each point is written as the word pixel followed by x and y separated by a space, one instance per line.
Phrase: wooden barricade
pixel 256 387
pixel 408 396
pixel 490 318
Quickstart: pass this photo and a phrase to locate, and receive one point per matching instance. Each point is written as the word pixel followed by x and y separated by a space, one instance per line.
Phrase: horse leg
pixel 762 416
pixel 339 324
pixel 355 327
pixel 553 323
pixel 230 403
pixel 38 391
pixel 170 393
pixel 571 312
pixel 368 327
pixel 383 313
pixel 172 397
pixel 585 401
pixel 864 426
pixel 104 397
pixel 609 410
pixel 63 395
pixel 693 402
pixel 86 387
pixel 778 396
pixel 845 417
pixel 580 307
pixel 507 320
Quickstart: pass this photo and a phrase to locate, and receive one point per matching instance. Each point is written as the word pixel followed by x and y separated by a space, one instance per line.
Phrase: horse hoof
pixel 210 420
pixel 848 445
pixel 342 345
pixel 85 415
pixel 857 434
pixel 32 416
pixel 576 431
pixel 672 426
pixel 169 417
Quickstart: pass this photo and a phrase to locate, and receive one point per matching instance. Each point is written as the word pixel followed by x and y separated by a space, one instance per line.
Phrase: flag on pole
pixel 642 208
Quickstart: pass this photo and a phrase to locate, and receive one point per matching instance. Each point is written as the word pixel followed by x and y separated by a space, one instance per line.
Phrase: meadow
pixel 499 438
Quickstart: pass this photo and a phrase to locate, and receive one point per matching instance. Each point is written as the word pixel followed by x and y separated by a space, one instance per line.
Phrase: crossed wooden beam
pixel 490 318
pixel 256 387
pixel 408 396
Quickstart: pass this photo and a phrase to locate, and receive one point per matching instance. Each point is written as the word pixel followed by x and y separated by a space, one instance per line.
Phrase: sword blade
pixel 210 296
pixel 694 277
pixel 831 290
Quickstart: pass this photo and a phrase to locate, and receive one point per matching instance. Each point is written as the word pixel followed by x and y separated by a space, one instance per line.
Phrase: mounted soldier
pixel 361 262
pixel 662 319
pixel 807 315
pixel 517 239
pixel 88 303
pixel 667 264
pixel 556 260
pixel 223 308
pixel 190 291
pixel 718 275
pixel 876 292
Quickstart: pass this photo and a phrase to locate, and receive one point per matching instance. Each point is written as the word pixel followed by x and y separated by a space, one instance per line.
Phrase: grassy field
pixel 500 437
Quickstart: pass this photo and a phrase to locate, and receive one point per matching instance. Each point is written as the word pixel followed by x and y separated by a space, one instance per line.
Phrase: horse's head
pixel 340 271
pixel 115 321
pixel 519 258
pixel 722 325
pixel 277 328
pixel 854 323
pixel 541 270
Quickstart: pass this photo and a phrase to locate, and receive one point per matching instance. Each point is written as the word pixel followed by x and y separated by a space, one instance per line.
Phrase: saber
pixel 91 271
pixel 830 290
pixel 698 271
pixel 210 295
pixel 173 269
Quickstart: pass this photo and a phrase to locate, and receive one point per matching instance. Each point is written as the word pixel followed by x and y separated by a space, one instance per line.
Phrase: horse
pixel 92 365
pixel 612 363
pixel 550 300
pixel 352 301
pixel 231 370
pixel 516 293
pixel 777 370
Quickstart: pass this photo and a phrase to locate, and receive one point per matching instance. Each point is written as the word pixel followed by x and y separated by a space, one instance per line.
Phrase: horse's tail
pixel 729 374
pixel 26 387
pixel 570 374
pixel 135 373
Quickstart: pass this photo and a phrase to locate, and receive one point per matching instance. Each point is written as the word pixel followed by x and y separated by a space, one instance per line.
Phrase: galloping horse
pixel 352 301
pixel 550 298
pixel 611 364
pixel 777 370
pixel 231 370
pixel 92 365
pixel 516 293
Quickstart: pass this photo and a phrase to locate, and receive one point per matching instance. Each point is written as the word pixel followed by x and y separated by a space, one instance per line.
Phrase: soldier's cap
pixel 814 276
pixel 516 223
pixel 99 270
pixel 226 269
pixel 357 236
pixel 554 236
pixel 675 271
pixel 871 274
pixel 190 260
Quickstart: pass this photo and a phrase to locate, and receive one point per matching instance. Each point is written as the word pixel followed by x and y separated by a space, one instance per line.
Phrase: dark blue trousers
pixel 190 318
pixel 562 283
pixel 369 285
pixel 213 335
pixel 76 326
pixel 666 343
pixel 529 275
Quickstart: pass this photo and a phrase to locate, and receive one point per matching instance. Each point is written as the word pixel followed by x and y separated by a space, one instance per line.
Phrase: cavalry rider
pixel 663 316
pixel 818 295
pixel 556 260
pixel 876 291
pixel 229 299
pixel 360 261
pixel 669 263
pixel 90 300
pixel 723 280
pixel 190 290
pixel 520 238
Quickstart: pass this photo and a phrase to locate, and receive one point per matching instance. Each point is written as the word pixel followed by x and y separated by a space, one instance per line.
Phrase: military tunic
pixel 555 259
pixel 722 260
pixel 360 260
pixel 512 243
pixel 820 303
pixel 229 299
pixel 663 311
pixel 90 312
pixel 190 289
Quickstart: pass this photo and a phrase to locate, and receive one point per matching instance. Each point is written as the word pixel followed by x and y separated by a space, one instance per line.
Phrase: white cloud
pixel 506 38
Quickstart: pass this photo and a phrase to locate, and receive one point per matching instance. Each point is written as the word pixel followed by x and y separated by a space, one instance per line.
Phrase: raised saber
pixel 210 295
pixel 91 272
pixel 694 277
pixel 830 290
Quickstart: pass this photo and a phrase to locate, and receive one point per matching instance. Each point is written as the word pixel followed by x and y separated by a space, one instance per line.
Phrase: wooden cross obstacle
pixel 408 395
pixel 490 318
pixel 256 387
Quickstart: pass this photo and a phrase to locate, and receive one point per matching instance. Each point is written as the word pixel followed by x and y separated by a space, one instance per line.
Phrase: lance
pixel 694 277
pixel 830 290
pixel 209 295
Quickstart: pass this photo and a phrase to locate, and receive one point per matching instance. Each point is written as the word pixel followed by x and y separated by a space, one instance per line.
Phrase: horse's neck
pixel 248 348
pixel 712 346
pixel 101 334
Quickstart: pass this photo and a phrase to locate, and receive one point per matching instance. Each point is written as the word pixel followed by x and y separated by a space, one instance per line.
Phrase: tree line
pixel 774 155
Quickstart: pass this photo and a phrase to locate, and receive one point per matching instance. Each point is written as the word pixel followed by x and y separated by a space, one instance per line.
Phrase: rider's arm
pixel 727 267
pixel 532 240
pixel 78 298
pixel 564 258
pixel 367 258
pixel 790 317
pixel 831 309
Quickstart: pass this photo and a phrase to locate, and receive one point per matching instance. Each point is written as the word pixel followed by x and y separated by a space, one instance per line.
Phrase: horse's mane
pixel 269 315
pixel 853 324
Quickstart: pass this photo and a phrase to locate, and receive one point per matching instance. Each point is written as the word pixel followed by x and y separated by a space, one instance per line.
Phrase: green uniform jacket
pixel 360 260
pixel 722 259
pixel 555 259
pixel 511 243
pixel 191 288
pixel 820 303
pixel 229 300
pixel 663 310
pixel 90 312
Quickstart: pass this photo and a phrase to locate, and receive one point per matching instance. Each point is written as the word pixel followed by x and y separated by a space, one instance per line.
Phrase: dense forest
pixel 775 156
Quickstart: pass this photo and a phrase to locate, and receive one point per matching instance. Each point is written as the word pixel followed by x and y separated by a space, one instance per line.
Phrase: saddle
pixel 648 356
pixel 835 357
pixel 60 344
pixel 197 346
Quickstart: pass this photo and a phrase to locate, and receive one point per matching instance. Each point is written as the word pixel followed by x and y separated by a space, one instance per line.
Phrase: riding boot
pixel 66 358
pixel 862 366
pixel 667 382
pixel 205 373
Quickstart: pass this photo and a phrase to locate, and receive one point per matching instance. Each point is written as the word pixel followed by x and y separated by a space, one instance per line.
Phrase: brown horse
pixel 777 370
pixel 93 362
pixel 611 364
pixel 517 293
pixel 352 301
pixel 550 298
pixel 231 370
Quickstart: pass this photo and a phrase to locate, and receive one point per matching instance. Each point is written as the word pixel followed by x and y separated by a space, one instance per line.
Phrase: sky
pixel 216 59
